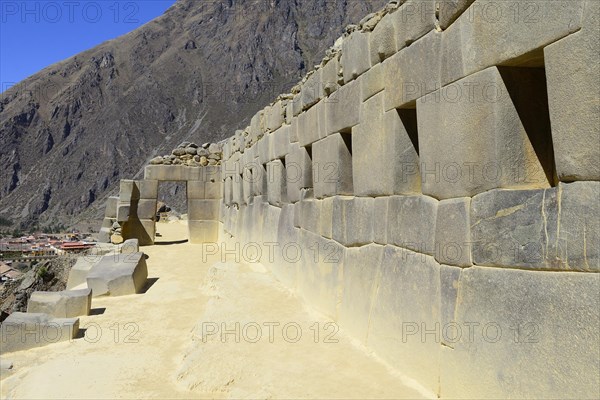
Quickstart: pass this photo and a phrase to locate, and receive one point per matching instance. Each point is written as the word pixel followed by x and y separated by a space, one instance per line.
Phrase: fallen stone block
pixel 120 276
pixel 22 331
pixel 65 304
pixel 332 165
pixel 79 271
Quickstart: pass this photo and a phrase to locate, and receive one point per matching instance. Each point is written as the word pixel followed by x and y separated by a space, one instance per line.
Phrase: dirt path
pixel 170 342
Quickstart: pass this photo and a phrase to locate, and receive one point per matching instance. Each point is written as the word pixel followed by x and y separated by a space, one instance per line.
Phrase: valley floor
pixel 203 329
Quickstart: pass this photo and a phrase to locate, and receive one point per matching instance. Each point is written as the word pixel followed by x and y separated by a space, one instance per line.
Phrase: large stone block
pixel 104 235
pixel 289 253
pixel 406 306
pixel 449 10
pixel 129 190
pixel 412 72
pixel 22 331
pixel 380 220
pixel 494 32
pixel 142 229
pixel 353 220
pixel 512 345
pixel 326 217
pixel 361 278
pixel 79 271
pixel 321 272
pixel 342 108
pixel 311 91
pixel 356 57
pixel 118 276
pixel 148 189
pixel 203 231
pixel 165 172
pixel 203 209
pixel 308 215
pixel 65 304
pixel 228 191
pixel 411 223
pixel 453 232
pixel 371 83
pixel 330 77
pixel 412 21
pixel 332 165
pixel 111 207
pixel 238 192
pixel 383 40
pixel 385 158
pixel 259 178
pixel 495 134
pixel 276 183
pixel 298 166
pixel 573 87
pixel 145 209
pixel 124 212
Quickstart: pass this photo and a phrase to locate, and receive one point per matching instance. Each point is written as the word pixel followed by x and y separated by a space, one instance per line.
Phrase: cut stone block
pixel 22 331
pixel 380 220
pixel 195 190
pixel 203 231
pixel 308 215
pixel 289 252
pixel 311 91
pixel 228 199
pixel 383 40
pixel 412 72
pixel 123 212
pixel 104 235
pixel 238 192
pixel 79 271
pixel 329 77
pixel 490 139
pixel 342 108
pixel 413 20
pixel 530 340
pixel 411 223
pixel 142 229
pixel 146 209
pixel 203 209
pixel 406 304
pixel 453 232
pixel 308 126
pixel 362 269
pixel 385 160
pixel 494 32
pixel 118 276
pixel 165 172
pixel 275 116
pixel 259 178
pixel 355 55
pixel 353 218
pixel 371 83
pixel 129 191
pixel 332 166
pixel 450 10
pixel 148 189
pixel 449 283
pixel 326 217
pixel 111 207
pixel 65 304
pixel 298 166
pixel 276 186
pixel 294 130
pixel 573 87
pixel 128 247
pixel 281 141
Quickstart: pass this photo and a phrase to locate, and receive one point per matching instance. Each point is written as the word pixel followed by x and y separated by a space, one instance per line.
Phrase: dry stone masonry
pixel 433 186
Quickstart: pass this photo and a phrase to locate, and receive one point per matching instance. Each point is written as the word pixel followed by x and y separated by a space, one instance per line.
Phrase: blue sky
pixel 35 34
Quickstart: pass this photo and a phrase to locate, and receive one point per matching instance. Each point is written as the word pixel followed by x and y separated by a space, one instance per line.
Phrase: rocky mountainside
pixel 198 72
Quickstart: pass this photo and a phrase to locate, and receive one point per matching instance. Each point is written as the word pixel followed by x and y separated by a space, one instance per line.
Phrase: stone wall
pixel 433 187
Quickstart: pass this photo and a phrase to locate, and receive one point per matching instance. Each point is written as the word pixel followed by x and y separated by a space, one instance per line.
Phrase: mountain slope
pixel 198 72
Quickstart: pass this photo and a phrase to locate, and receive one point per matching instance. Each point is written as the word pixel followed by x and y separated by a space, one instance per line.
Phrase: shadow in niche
pixel 97 311
pixel 529 94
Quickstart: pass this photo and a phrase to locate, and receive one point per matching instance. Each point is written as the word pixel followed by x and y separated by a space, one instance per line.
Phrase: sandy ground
pixel 203 330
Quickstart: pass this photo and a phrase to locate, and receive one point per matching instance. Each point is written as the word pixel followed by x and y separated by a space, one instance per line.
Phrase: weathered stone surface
pixel 573 86
pixel 203 209
pixel 228 191
pixel 118 276
pixel 450 10
pixel 530 331
pixel 203 231
pixel 111 207
pixel 383 40
pixel 276 183
pixel 413 20
pixel 405 305
pixel 308 126
pixel 411 223
pixel 361 277
pixel 342 108
pixel 281 142
pixel 22 331
pixel 259 178
pixel 449 283
pixel 79 271
pixel 298 165
pixel 371 83
pixel 195 190
pixel 308 215
pixel 320 272
pixel 355 58
pixel 142 229
pixel 353 218
pixel 275 116
pixel 453 232
pixel 491 33
pixel 311 91
pixel 238 192
pixel 104 235
pixel 128 247
pixel 129 190
pixel 145 209
pixel 165 172
pixel 65 304
pixel 384 158
pixel 515 228
pixel 148 189
pixel 380 220
pixel 492 138
pixel 326 217
pixel 289 253
pixel 329 77
pixel 332 166
pixel 123 212
pixel 412 72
